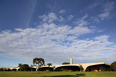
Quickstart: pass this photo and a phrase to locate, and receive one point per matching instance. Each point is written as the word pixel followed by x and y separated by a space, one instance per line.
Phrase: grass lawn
pixel 57 74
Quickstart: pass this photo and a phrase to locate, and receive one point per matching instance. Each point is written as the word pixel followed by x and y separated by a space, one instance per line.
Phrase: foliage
pixel 65 63
pixel 20 65
pixel 31 67
pixel 49 64
pixel 81 68
pixel 113 66
pixel 5 69
pixel 24 67
pixel 1 69
pixel 39 61
pixel 14 69
pixel 9 69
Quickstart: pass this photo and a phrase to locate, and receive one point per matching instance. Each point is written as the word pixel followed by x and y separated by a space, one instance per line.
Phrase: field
pixel 57 74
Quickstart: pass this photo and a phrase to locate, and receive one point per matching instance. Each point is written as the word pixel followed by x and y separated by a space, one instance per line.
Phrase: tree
pixel 24 67
pixel 49 64
pixel 81 68
pixel 113 66
pixel 8 69
pixel 1 69
pixel 31 67
pixel 19 65
pixel 13 69
pixel 65 63
pixel 39 61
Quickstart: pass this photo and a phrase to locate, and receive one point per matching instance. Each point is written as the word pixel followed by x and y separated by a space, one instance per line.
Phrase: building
pixel 100 66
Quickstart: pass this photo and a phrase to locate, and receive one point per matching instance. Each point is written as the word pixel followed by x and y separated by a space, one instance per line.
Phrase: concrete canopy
pixel 67 67
pixel 86 65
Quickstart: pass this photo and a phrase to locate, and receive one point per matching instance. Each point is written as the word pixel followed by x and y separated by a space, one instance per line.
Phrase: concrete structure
pixel 71 60
pixel 46 68
pixel 100 66
pixel 15 69
pixel 67 67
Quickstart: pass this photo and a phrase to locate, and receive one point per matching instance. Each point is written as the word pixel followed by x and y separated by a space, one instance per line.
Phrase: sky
pixel 57 30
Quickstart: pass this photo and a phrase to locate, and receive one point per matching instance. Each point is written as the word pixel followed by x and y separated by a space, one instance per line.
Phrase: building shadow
pixel 77 75
pixel 81 74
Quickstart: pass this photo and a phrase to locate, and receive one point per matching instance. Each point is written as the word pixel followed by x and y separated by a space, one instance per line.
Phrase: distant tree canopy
pixel 113 66
pixel 20 65
pixel 49 64
pixel 65 63
pixel 1 69
pixel 39 61
pixel 5 69
pixel 24 67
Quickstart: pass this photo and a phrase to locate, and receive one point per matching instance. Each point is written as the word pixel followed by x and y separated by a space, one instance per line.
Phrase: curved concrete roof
pixel 85 65
pixel 56 66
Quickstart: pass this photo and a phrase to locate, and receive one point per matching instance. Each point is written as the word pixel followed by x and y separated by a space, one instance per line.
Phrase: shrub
pixel 64 63
pixel 24 67
pixel 14 69
pixel 113 66
pixel 1 69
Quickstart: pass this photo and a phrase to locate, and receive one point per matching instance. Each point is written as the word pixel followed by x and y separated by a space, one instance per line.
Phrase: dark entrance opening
pixel 46 69
pixel 100 67
pixel 68 68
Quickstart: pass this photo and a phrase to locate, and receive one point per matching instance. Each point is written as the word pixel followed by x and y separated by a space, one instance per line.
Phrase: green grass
pixel 57 74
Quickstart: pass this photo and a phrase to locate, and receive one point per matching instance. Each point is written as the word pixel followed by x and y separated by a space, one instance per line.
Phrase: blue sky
pixel 57 30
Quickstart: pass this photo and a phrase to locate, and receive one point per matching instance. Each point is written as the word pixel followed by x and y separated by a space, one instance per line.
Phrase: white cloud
pixel 70 17
pixel 49 18
pixel 100 31
pixel 47 38
pixel 62 11
pixel 106 11
pixel 82 21
pixel 102 38
pixel 61 19
pixel 107 8
pixel 58 42
pixel 80 30
pixel 104 15
pixel 94 5
pixel 51 41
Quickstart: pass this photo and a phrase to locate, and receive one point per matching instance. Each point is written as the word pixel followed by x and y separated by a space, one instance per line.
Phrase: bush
pixel 24 67
pixel 64 63
pixel 1 69
pixel 5 69
pixel 14 69
pixel 113 66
